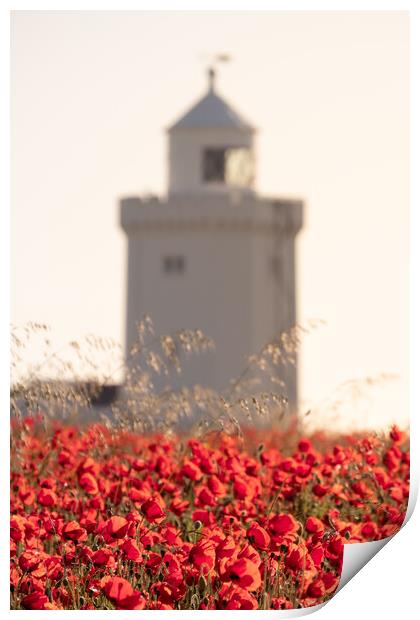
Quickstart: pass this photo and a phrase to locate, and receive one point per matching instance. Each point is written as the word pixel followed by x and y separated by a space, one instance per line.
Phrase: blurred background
pixel 92 95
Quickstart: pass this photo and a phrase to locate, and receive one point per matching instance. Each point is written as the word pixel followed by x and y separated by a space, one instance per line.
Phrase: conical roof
pixel 212 111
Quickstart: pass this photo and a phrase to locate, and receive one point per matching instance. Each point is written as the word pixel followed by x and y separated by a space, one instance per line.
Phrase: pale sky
pixel 91 96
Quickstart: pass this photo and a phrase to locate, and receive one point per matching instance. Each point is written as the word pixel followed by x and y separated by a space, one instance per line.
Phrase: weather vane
pixel 212 60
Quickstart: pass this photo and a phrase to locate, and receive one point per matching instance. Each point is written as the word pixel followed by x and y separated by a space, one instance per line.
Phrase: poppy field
pixel 105 519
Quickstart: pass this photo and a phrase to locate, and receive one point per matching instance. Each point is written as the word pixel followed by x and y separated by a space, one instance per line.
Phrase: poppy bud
pixel 202 584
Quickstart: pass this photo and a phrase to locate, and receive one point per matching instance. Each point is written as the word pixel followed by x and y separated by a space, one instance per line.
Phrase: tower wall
pixel 232 288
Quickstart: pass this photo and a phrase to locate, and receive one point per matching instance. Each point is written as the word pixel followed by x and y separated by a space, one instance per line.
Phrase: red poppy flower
pixel 288 464
pixel 65 457
pixel 296 557
pixel 54 567
pixel 320 489
pixel 226 548
pixel 369 530
pixel 316 589
pixel 250 553
pixel 147 537
pixel 205 497
pixel 258 536
pixel 205 516
pixel 153 510
pixel 330 581
pixel 283 527
pixel 171 591
pixel 362 489
pixel 122 594
pixel 88 482
pixel 334 549
pixel 203 556
pixel 17 528
pixel 154 560
pixel 397 435
pixel 245 574
pixel 304 445
pixel 73 531
pixel 170 534
pixel 89 465
pixel 116 527
pixel 235 597
pixel 89 520
pixel 314 526
pixel 47 497
pixel 303 470
pixel 132 550
pixel 392 459
pixel 37 600
pixel 280 602
pixel 397 494
pixel 179 506
pixel 27 496
pixel 243 488
pixel 216 486
pixel 103 557
pixel 317 555
pixel 33 561
pixel 191 470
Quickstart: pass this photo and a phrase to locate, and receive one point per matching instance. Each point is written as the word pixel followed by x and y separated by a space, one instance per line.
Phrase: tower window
pixel 214 165
pixel 230 165
pixel 174 264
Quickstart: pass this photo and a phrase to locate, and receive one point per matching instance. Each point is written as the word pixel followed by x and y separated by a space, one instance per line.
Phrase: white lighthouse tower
pixel 212 254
